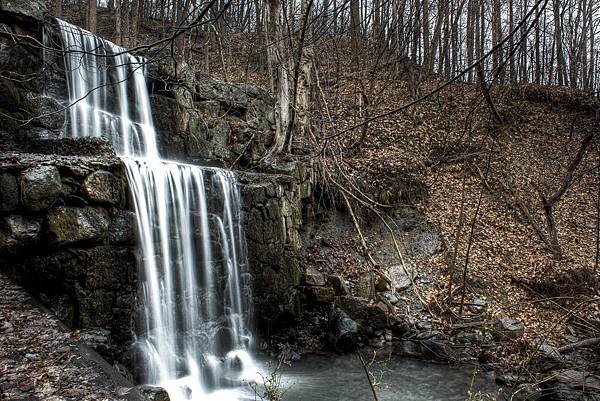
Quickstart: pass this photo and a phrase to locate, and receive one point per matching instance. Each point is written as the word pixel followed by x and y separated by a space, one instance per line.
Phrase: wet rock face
pixel 47 111
pixel 40 187
pixel 210 119
pixel 273 208
pixel 122 229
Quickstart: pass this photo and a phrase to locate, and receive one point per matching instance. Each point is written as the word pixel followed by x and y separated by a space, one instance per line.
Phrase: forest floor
pixel 483 181
pixel 41 360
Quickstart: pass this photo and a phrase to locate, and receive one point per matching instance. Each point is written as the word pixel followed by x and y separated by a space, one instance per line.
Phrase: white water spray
pixel 193 266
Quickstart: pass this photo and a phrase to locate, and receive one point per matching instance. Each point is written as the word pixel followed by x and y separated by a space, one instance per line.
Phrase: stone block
pixel 107 267
pixel 273 209
pixel 123 228
pixel 40 187
pixel 17 232
pixel 102 187
pixel 69 225
pixel 95 308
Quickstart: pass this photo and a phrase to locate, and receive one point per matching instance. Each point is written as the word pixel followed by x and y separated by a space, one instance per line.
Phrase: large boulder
pixel 40 187
pixel 337 282
pixel 68 225
pixel 153 393
pixel 343 331
pixel 402 276
pixel 313 277
pixel 364 313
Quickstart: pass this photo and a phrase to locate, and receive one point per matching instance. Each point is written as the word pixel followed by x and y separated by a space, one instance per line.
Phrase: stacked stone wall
pixel 67 234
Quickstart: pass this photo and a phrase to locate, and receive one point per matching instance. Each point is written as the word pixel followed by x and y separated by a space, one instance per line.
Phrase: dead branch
pixel 589 342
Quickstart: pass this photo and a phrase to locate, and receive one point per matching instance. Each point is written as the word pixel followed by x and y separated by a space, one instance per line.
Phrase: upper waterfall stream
pixel 194 282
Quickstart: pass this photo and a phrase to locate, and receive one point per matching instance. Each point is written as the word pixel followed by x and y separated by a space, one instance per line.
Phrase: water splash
pixel 195 287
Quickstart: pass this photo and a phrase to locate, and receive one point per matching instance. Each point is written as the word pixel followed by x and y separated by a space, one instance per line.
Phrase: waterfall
pixel 194 281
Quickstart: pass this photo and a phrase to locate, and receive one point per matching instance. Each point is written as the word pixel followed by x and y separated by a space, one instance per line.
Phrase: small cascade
pixel 194 281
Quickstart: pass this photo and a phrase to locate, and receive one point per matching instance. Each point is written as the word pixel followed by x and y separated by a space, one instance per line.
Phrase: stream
pixel 333 377
pixel 342 377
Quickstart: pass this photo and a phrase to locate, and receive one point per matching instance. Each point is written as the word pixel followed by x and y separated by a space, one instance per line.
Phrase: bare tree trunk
pixel 437 33
pixel 416 32
pixel 426 50
pixel 471 17
pixel 591 72
pixel 560 68
pixel 355 28
pixel 511 23
pixel 445 53
pixel 135 21
pixel 550 202
pixel 92 15
pixel 57 8
pixel 455 32
pixel 298 111
pixel 523 56
pixel 118 23
pixel 497 37
pixel 538 61
pixel 279 78
pixel 125 31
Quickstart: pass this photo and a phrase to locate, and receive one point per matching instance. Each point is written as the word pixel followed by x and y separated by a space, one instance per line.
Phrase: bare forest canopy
pixel 556 45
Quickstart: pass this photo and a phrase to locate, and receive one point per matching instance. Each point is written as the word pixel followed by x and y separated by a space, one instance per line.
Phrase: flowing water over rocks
pixel 195 289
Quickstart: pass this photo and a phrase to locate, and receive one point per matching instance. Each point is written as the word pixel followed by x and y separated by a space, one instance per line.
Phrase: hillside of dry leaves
pixel 479 176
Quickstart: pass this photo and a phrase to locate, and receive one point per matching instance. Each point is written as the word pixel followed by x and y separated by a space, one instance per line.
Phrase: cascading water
pixel 193 266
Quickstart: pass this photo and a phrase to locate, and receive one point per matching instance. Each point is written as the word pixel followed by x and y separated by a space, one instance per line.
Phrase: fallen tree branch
pixel 589 342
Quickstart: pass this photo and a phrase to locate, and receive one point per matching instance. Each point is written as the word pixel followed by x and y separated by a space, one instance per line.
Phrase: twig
pixel 362 361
